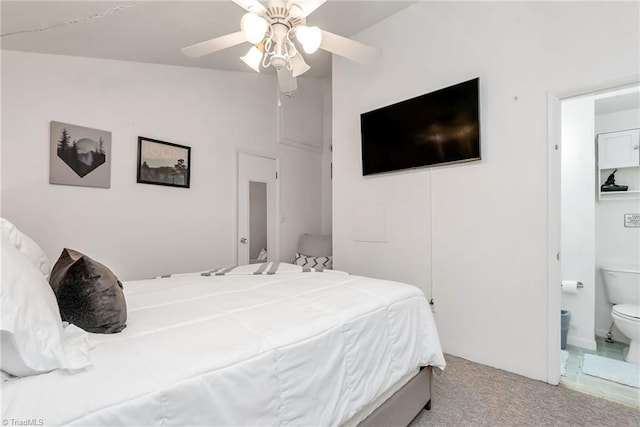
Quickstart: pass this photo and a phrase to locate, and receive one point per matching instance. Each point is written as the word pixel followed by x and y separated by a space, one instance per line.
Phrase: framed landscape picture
pixel 163 163
pixel 79 156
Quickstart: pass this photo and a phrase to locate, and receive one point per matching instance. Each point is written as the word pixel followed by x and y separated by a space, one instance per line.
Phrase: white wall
pixel 614 243
pixel 142 230
pixel 478 231
pixel 578 217
pixel 301 212
pixel 306 124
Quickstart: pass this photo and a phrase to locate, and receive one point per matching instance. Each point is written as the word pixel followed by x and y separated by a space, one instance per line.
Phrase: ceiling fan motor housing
pixel 279 57
pixel 277 13
pixel 279 61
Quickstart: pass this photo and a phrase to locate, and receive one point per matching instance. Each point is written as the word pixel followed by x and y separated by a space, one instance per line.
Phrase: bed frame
pixel 405 404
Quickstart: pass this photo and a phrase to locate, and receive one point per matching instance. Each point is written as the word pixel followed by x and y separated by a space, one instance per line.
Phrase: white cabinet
pixel 300 119
pixel 619 149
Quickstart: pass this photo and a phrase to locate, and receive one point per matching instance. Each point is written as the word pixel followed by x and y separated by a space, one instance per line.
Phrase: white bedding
pixel 300 348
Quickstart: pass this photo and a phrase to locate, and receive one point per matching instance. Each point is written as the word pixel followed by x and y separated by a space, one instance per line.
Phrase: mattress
pixel 231 347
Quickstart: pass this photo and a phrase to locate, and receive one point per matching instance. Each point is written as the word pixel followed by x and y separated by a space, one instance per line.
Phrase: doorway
pixel 257 209
pixel 576 241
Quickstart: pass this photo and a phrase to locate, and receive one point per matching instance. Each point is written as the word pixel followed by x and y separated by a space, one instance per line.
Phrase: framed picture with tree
pixel 80 156
pixel 163 163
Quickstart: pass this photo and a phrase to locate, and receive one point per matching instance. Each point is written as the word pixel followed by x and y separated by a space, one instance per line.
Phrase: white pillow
pixel 24 244
pixel 5 376
pixel 313 261
pixel 32 338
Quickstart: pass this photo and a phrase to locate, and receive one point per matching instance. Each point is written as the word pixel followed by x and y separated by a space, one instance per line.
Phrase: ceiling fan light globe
pixel 253 58
pixel 298 65
pixel 253 27
pixel 309 37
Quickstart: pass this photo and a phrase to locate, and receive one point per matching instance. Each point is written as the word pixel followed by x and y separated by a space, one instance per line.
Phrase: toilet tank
pixel 622 283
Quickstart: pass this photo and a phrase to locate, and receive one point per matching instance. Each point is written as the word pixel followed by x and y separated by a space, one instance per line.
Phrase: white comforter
pixel 300 348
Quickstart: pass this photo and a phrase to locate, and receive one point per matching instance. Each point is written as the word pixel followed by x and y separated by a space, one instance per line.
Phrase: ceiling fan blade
pixel 348 48
pixel 214 45
pixel 286 81
pixel 306 7
pixel 298 65
pixel 251 6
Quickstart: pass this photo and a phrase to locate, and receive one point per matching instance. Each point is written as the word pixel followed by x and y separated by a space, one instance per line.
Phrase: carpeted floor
pixel 470 394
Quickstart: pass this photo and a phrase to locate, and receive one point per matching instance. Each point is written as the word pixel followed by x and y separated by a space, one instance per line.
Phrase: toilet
pixel 622 286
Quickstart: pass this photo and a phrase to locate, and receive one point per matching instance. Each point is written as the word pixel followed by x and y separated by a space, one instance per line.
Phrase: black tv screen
pixel 433 129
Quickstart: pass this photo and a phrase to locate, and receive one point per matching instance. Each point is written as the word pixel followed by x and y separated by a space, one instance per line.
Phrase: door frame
pixel 554 122
pixel 274 253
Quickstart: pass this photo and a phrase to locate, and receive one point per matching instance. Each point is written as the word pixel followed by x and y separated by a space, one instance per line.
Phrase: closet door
pixel 257 208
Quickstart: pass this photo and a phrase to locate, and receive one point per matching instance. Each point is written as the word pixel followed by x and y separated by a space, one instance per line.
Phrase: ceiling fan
pixel 272 30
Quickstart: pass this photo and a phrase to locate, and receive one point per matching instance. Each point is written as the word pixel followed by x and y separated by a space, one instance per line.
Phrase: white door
pixel 257 208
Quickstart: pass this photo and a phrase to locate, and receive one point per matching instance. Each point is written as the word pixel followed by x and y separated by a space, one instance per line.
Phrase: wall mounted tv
pixel 436 128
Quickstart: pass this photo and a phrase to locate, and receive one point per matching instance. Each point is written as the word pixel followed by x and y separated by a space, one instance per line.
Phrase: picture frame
pixel 79 155
pixel 163 163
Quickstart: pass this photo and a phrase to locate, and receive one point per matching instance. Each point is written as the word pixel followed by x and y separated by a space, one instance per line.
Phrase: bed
pixel 262 344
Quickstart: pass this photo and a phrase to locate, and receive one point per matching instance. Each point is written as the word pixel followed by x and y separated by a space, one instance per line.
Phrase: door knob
pixel 243 240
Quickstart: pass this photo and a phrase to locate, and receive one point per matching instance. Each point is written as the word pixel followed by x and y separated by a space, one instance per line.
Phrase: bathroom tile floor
pixel 575 379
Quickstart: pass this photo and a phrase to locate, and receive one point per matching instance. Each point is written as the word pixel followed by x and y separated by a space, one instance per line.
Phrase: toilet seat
pixel 627 311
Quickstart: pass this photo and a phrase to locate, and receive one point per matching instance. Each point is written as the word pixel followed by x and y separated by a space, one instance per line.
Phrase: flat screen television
pixel 436 128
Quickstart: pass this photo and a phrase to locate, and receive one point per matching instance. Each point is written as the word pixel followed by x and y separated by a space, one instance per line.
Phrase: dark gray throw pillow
pixel 89 295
